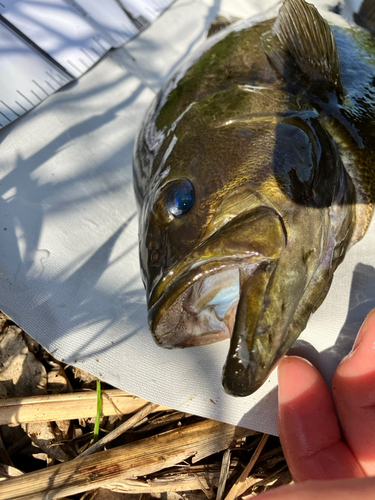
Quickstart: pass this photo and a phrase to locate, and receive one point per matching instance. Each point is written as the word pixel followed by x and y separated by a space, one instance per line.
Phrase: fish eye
pixel 181 197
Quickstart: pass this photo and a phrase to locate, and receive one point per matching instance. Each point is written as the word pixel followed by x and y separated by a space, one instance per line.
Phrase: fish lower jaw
pixel 202 314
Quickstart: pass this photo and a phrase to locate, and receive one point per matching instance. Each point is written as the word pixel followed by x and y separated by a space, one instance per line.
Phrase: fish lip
pixel 239 389
pixel 249 379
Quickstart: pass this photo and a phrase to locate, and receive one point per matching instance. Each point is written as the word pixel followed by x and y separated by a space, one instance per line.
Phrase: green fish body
pixel 254 174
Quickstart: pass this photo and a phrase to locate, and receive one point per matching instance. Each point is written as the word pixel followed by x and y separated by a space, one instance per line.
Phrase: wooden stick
pixel 177 481
pixel 139 458
pixel 242 484
pixel 223 474
pixel 67 406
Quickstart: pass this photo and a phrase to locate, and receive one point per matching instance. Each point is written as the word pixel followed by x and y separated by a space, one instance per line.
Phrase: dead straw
pixel 150 407
pixel 241 485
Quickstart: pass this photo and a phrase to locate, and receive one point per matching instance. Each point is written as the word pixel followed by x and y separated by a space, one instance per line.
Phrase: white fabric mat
pixel 69 271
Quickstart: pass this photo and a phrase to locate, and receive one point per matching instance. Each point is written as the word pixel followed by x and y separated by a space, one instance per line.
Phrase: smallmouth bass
pixel 254 175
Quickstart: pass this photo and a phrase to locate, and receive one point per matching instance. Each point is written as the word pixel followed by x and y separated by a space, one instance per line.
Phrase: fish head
pixel 234 226
pixel 246 207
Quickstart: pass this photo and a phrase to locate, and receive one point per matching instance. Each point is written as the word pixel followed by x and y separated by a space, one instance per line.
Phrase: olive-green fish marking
pixel 253 173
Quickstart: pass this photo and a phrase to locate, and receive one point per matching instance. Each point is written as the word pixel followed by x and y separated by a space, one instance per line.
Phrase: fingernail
pixel 363 330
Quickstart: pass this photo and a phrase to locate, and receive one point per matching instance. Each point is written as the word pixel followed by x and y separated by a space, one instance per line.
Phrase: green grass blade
pixel 98 410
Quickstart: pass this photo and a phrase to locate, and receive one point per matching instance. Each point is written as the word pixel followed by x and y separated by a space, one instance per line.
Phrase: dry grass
pixel 47 415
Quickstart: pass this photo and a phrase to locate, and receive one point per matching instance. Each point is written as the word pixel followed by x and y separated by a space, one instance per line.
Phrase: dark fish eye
pixel 181 197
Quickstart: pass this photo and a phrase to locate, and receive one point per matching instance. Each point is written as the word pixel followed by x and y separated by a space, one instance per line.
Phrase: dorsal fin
pixel 366 15
pixel 302 40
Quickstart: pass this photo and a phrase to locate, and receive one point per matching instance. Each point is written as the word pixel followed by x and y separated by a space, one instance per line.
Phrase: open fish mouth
pixel 204 312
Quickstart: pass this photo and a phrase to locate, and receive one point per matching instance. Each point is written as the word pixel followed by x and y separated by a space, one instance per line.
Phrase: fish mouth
pixel 213 296
pixel 200 307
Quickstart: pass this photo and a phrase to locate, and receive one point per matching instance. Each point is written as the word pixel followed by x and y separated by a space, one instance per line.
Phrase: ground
pixel 151 452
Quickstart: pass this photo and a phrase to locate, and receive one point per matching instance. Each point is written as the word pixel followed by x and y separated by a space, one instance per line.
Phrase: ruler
pixel 144 12
pixel 108 17
pixel 58 30
pixel 45 44
pixel 27 77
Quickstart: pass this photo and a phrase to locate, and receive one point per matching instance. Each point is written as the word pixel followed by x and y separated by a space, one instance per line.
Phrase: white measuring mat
pixel 59 30
pixel 39 39
pixel 109 17
pixel 69 270
pixel 27 78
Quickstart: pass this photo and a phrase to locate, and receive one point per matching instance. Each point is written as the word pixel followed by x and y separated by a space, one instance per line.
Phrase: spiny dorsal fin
pixel 302 39
pixel 366 15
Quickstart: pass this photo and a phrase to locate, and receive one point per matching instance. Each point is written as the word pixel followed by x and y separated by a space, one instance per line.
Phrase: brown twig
pixel 241 485
pixel 51 407
pixel 136 459
pixel 223 475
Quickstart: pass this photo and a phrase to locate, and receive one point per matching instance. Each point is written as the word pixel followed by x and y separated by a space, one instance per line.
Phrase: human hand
pixel 336 460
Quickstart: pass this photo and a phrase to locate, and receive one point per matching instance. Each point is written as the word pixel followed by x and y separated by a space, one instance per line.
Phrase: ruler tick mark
pixel 53 78
pixel 10 109
pixel 20 105
pixel 84 63
pixel 50 85
pixel 74 66
pixel 97 41
pixel 5 116
pixel 36 95
pixel 26 99
pixel 40 87
pixel 87 54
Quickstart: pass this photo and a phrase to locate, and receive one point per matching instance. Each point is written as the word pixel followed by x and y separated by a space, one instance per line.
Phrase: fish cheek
pixel 151 252
pixel 153 239
pixel 165 241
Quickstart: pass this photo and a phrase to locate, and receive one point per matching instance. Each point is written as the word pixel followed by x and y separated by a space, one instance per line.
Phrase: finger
pixel 354 393
pixel 345 489
pixel 308 426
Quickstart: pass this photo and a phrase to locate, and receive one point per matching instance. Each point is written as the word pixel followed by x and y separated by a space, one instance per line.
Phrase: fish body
pixel 254 174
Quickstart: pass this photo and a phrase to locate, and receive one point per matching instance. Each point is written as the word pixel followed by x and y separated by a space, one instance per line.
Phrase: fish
pixel 254 174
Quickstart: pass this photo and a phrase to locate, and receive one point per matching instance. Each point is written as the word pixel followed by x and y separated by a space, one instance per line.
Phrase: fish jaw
pixel 248 355
pixel 263 329
pixel 277 300
pixel 195 303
